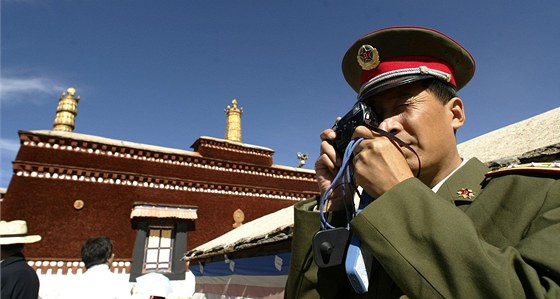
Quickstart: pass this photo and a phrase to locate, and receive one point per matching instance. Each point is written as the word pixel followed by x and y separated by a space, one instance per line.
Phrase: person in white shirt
pixel 189 280
pixel 98 281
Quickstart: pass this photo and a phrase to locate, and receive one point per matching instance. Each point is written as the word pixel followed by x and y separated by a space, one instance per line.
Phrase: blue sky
pixel 162 72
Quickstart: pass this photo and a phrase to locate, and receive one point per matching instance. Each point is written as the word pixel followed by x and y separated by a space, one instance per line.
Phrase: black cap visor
pixel 391 83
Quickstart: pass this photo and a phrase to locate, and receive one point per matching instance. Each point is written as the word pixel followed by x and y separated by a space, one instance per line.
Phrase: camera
pixel 360 115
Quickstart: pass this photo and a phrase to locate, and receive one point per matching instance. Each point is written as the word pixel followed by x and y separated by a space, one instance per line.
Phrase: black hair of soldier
pixel 96 251
pixel 442 90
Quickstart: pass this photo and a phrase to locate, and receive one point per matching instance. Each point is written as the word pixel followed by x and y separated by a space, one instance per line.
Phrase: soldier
pixel 439 226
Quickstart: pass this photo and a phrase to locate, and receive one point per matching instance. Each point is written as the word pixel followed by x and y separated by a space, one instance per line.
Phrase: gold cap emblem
pixel 368 57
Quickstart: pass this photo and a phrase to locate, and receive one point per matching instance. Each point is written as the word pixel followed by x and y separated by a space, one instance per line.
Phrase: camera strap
pixel 333 246
pixel 330 243
pixel 343 180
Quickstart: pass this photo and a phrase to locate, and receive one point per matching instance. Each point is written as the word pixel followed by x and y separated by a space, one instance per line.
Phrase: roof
pixel 257 147
pixel 270 228
pixel 514 140
pixel 159 149
pixel 115 142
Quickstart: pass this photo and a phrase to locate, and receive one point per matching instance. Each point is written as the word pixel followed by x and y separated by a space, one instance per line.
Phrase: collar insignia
pixel 368 57
pixel 465 193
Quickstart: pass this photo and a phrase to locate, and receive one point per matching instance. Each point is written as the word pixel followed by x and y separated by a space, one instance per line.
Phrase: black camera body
pixel 360 115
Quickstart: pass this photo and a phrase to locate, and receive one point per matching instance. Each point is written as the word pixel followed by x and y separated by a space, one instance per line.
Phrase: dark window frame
pixel 142 226
pixel 158 263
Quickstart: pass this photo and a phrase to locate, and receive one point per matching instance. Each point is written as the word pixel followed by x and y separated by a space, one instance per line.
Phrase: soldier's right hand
pixel 326 168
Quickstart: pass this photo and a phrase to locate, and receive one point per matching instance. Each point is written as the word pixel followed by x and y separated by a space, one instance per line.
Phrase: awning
pixel 163 211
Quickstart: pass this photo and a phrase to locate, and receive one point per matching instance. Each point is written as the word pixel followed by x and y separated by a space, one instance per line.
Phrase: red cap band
pixel 398 63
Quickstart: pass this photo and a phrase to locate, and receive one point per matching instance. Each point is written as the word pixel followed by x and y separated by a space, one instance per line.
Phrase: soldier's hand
pixel 379 163
pixel 328 163
pixel 326 168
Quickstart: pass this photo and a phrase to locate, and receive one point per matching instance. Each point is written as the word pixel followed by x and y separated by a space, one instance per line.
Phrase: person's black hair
pixel 13 247
pixel 442 90
pixel 96 251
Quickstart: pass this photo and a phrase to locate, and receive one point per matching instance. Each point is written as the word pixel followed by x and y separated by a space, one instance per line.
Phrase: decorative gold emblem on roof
pixel 238 218
pixel 368 57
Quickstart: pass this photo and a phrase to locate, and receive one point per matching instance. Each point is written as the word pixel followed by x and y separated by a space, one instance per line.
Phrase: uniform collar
pixel 438 185
pixel 464 185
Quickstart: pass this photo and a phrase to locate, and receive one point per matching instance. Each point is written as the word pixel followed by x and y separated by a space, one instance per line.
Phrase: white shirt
pixel 438 185
pixel 98 282
pixel 190 283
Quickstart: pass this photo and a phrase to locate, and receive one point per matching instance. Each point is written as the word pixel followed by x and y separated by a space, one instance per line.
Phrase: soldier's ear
pixel 457 112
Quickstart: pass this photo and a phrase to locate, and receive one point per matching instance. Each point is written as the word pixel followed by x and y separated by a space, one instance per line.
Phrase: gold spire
pixel 66 111
pixel 233 121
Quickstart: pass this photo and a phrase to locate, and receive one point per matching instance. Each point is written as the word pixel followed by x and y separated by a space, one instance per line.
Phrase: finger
pixel 328 150
pixel 328 134
pixel 364 132
pixel 324 172
pixel 324 165
pixel 378 144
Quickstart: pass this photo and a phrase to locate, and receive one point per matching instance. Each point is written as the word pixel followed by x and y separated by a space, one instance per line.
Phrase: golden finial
pixel 66 111
pixel 71 91
pixel 233 121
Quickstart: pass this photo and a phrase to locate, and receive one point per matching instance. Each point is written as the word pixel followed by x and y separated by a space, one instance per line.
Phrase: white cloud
pixel 9 145
pixel 17 90
pixel 8 151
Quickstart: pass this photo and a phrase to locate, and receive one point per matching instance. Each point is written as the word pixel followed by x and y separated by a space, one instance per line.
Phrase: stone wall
pixel 544 154
pixel 536 139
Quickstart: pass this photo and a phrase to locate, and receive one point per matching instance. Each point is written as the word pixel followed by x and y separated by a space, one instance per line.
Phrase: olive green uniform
pixel 503 242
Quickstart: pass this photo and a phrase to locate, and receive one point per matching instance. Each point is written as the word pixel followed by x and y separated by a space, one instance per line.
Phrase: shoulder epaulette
pixel 544 167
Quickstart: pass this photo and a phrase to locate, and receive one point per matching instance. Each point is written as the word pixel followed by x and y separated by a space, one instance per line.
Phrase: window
pixel 161 238
pixel 158 252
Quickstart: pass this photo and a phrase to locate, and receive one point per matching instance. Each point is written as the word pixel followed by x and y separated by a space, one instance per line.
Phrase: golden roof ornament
pixel 233 121
pixel 66 111
pixel 238 218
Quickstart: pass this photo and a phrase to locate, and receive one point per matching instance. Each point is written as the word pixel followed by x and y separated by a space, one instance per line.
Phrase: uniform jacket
pixel 19 281
pixel 502 242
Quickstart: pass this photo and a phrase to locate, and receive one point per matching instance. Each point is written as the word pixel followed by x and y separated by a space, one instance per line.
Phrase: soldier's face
pixel 416 116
